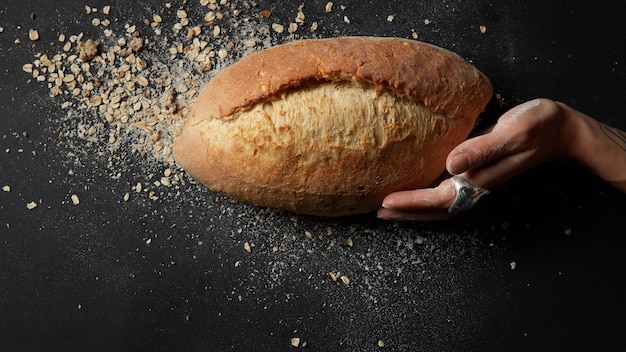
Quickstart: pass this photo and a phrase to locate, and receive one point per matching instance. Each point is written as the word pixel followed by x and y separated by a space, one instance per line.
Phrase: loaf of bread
pixel 329 127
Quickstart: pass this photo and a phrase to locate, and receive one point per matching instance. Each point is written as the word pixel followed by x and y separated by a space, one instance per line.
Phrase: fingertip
pixel 384 214
pixel 457 164
pixel 390 201
pixel 385 203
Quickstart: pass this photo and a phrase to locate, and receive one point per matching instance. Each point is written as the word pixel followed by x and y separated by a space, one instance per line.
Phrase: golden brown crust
pixel 435 77
pixel 297 157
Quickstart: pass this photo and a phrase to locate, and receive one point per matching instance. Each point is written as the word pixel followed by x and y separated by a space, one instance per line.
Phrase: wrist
pixel 590 146
pixel 577 135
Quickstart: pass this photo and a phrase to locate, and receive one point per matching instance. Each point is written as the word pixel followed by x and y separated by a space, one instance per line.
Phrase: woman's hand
pixel 532 133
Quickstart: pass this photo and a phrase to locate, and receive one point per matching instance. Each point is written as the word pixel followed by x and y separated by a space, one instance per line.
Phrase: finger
pixel 505 137
pixel 501 170
pixel 401 215
pixel 478 151
pixel 440 197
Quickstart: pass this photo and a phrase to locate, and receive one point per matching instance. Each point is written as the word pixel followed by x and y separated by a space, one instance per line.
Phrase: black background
pixel 78 278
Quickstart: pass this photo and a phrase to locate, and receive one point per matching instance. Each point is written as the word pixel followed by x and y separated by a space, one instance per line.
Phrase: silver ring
pixel 466 195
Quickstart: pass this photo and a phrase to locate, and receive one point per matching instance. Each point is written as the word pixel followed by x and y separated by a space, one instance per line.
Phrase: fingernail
pixel 458 164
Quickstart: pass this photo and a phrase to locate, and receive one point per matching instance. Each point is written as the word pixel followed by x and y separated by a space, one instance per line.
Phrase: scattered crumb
pixel 300 18
pixel 483 29
pixel 427 21
pixel 513 265
pixel 136 45
pixel 295 342
pixel 329 7
pixel 265 13
pixel 568 231
pixel 31 205
pixel 278 28
pixel 381 343
pixel 87 50
pixel 390 18
pixel 75 199
pixel 33 35
pixel 246 247
pixel 6 188
pixel 345 280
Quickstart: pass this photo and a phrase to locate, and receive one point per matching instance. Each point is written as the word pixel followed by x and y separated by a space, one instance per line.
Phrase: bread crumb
pixel 345 280
pixel 568 231
pixel 87 50
pixel 329 7
pixel 483 29
pixel 6 188
pixel 278 28
pixel 381 343
pixel 33 35
pixel 390 18
pixel 106 10
pixel 427 21
pixel 265 13
pixel 513 265
pixel 333 276
pixel 300 18
pixel 246 247
pixel 1 29
pixel 136 45
pixel 31 205
pixel 75 199
pixel 295 342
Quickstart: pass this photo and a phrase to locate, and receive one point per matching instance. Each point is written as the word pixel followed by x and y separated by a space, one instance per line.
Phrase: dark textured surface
pixel 160 274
